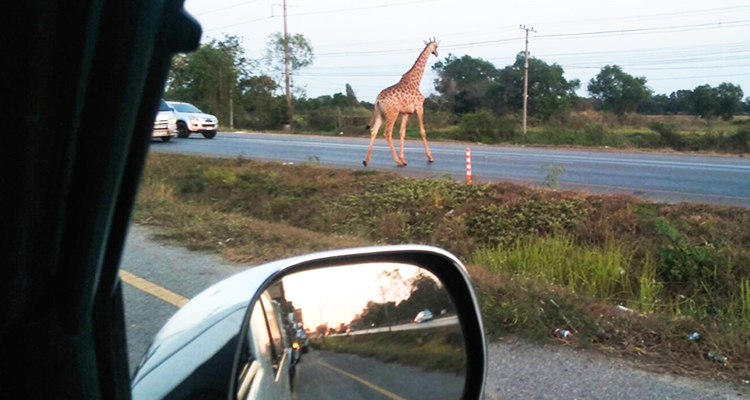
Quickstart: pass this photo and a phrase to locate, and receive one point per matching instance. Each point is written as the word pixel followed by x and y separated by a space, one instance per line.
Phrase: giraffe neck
pixel 414 75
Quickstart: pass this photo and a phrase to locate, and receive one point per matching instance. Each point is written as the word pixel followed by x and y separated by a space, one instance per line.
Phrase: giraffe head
pixel 432 45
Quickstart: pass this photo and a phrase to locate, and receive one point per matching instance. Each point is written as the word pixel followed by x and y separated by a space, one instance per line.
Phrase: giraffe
pixel 402 98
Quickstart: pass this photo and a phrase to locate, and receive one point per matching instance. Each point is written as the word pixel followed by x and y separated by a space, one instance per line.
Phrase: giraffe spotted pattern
pixel 403 98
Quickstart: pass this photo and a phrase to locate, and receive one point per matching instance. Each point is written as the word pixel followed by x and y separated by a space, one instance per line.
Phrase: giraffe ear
pixel 426 43
pixel 437 43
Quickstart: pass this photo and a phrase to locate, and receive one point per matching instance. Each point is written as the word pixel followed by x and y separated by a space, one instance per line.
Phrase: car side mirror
pixel 395 321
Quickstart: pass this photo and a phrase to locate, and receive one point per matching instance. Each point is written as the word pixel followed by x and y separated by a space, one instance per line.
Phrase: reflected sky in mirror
pixel 332 296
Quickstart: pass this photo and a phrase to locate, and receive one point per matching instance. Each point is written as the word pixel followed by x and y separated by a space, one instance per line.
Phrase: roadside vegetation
pixel 624 275
pixel 435 349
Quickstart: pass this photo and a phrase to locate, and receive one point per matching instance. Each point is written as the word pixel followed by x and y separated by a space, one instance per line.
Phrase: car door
pixel 265 372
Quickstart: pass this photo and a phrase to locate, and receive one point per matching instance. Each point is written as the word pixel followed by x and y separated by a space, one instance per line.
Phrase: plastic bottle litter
pixel 694 336
pixel 715 356
pixel 563 333
pixel 623 309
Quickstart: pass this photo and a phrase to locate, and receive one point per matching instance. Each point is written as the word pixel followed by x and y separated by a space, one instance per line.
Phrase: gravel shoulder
pixel 521 370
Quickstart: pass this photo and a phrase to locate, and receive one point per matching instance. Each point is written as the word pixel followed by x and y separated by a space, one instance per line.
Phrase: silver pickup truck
pixel 165 126
pixel 190 119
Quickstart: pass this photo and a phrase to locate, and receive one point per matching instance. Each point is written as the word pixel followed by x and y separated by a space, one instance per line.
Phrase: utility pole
pixel 526 77
pixel 320 305
pixel 290 114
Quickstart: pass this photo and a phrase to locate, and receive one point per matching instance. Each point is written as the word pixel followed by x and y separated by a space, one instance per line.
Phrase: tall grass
pixel 603 273
pixel 649 287
pixel 745 301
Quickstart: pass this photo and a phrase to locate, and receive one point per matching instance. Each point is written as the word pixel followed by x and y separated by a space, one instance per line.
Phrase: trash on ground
pixel 694 336
pixel 563 333
pixel 715 356
pixel 623 309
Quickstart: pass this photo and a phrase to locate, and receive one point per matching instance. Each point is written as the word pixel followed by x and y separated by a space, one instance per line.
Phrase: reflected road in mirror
pixel 329 375
pixel 372 331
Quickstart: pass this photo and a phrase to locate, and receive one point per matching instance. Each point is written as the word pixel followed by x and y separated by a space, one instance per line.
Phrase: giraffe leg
pixel 420 114
pixel 373 135
pixel 390 121
pixel 402 133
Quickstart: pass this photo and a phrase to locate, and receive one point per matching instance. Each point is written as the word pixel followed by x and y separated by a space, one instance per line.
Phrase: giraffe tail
pixel 377 111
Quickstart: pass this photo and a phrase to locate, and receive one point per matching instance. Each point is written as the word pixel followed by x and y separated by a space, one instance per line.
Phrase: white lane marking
pixel 523 155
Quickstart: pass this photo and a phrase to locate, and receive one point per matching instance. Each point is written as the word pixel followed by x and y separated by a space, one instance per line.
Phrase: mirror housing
pixel 196 352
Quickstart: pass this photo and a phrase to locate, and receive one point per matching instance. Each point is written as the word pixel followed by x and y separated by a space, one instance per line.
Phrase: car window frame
pixel 277 354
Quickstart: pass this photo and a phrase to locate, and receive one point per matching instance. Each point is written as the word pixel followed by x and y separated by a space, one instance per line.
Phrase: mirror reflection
pixel 369 331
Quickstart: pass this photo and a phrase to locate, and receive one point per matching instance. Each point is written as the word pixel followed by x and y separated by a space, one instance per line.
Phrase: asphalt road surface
pixel 664 177
pixel 329 376
pixel 516 371
pixel 406 327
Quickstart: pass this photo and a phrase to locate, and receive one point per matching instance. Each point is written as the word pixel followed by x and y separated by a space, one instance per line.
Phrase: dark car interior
pixel 84 81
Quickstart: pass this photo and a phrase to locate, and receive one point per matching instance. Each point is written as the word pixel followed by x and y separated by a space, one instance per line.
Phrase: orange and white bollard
pixel 468 165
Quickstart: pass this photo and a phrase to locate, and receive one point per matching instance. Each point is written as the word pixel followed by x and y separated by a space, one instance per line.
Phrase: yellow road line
pixel 362 381
pixel 153 289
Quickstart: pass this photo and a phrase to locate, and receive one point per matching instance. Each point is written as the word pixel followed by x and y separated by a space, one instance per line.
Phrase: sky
pixel 675 44
pixel 336 295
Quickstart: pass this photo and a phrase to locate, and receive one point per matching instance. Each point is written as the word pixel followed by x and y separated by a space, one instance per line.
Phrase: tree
pixel 549 92
pixel 300 55
pixel 469 84
pixel 463 83
pixel 703 102
pixel 654 105
pixel 679 102
pixel 724 100
pixel 260 109
pixel 618 91
pixel 746 106
pixel 209 76
pixel 729 100
pixel 300 52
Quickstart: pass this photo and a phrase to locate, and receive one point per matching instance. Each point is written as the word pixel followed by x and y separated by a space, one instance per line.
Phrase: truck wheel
pixel 182 131
pixel 209 134
pixel 166 138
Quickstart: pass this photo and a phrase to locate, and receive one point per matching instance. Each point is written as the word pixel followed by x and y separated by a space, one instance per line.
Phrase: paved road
pixel 666 177
pixel 516 371
pixel 406 327
pixel 330 376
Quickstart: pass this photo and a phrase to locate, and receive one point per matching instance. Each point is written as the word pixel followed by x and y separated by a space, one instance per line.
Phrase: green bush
pixel 483 126
pixel 669 135
pixel 323 119
pixel 495 225
pixel 740 141
pixel 682 263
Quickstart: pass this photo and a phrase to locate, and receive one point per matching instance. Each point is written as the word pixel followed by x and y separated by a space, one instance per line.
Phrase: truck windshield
pixel 186 108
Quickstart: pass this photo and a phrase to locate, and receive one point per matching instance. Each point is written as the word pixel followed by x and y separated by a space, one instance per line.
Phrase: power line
pixel 325 12
pixel 697 77
pixel 363 8
pixel 241 23
pixel 224 8
pixel 670 29
pixel 660 68
pixel 638 30
pixel 648 16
